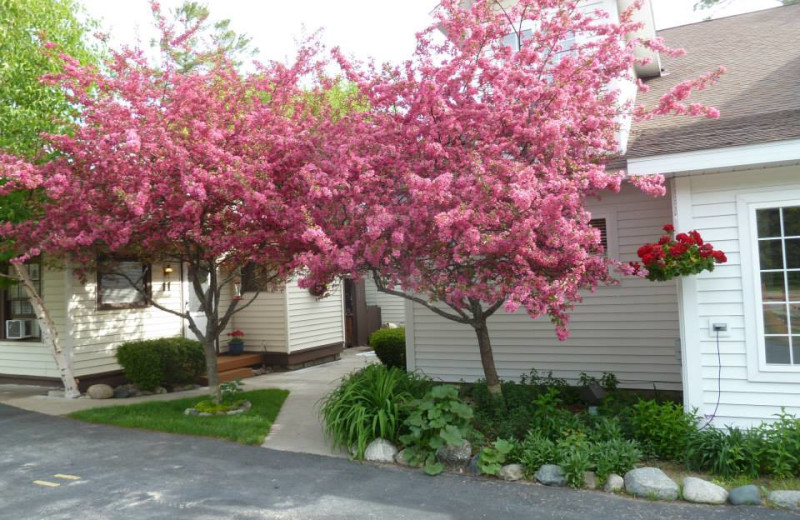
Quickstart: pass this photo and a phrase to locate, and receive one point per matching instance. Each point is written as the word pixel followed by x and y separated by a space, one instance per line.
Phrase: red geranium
pixel 686 254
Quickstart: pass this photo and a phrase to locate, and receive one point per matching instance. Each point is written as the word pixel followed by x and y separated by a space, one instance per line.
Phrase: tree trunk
pixel 487 358
pixel 49 333
pixel 211 369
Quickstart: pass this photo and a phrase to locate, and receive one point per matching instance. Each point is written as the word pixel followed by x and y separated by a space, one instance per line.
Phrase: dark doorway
pixel 359 320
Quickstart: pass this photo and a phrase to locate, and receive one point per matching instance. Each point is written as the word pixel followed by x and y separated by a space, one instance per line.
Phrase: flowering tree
pixel 201 165
pixel 469 176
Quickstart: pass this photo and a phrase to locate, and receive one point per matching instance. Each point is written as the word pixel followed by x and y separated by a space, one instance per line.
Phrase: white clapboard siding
pixel 96 334
pixel 708 203
pixel 314 322
pixel 264 322
pixel 631 330
pixel 32 358
pixel 393 308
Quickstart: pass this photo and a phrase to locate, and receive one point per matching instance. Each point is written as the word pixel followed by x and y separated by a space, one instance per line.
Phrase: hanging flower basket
pixel 681 255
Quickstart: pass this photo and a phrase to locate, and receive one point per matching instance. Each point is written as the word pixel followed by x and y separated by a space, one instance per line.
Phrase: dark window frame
pixel 603 231
pixel 6 306
pixel 252 279
pixel 148 286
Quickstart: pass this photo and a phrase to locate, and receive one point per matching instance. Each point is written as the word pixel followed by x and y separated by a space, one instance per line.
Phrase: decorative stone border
pixel 647 482
pixel 242 409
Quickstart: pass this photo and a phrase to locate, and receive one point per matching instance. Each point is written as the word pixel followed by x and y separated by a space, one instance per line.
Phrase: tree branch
pixel 460 318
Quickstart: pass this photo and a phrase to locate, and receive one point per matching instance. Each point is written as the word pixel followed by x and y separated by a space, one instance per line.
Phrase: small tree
pixel 198 165
pixel 469 175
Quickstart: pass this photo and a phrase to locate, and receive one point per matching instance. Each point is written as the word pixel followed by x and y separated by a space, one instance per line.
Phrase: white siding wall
pixel 631 330
pixel 264 322
pixel 393 308
pixel 710 204
pixel 34 359
pixel 312 322
pixel 96 334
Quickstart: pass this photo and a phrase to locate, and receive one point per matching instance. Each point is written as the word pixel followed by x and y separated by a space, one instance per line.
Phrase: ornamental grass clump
pixel 370 404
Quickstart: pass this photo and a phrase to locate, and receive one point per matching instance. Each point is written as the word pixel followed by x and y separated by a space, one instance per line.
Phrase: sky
pixel 362 28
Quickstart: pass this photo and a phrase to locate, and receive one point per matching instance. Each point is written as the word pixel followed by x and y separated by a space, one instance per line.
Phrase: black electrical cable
pixel 719 386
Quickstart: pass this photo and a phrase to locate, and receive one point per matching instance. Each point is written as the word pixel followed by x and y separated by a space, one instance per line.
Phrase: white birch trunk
pixel 49 332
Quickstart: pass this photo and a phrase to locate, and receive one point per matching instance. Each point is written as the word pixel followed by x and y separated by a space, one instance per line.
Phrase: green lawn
pixel 250 427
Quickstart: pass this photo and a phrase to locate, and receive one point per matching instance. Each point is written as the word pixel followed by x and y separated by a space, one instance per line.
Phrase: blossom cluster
pixel 681 255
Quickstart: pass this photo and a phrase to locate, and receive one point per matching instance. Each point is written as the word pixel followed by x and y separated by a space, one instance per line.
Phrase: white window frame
pixel 610 216
pixel 746 205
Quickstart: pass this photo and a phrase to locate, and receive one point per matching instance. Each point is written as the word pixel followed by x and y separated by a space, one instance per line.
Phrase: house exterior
pixel 737 181
pixel 289 326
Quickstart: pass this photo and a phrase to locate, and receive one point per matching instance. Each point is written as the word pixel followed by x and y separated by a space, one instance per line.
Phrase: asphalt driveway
pixel 108 472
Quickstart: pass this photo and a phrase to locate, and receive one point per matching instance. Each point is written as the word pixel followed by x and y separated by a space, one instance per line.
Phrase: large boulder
pixel 651 483
pixel 402 459
pixel 745 496
pixel 589 480
pixel 455 457
pixel 551 475
pixel 380 450
pixel 785 499
pixel 100 392
pixel 701 491
pixel 614 484
pixel 512 472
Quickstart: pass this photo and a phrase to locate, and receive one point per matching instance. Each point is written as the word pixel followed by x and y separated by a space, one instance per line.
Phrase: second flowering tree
pixel 469 175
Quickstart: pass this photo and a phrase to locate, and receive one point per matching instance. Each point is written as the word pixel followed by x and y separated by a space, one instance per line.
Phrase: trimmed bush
pixel 390 346
pixel 162 362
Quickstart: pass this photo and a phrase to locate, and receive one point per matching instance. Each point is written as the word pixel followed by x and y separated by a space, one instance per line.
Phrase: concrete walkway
pixel 297 427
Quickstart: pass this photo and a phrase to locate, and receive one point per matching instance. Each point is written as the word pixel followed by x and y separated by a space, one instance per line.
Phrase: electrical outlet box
pixel 718 327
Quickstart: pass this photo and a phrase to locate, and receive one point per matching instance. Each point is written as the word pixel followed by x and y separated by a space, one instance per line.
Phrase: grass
pixel 249 428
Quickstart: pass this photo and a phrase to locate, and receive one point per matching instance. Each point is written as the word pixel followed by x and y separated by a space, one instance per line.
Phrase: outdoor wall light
pixel 165 285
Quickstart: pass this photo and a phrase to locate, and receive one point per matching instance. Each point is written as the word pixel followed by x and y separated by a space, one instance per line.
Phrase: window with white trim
pixel 778 236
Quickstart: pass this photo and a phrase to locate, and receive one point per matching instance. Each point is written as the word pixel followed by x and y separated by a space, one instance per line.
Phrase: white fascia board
pixel 717 158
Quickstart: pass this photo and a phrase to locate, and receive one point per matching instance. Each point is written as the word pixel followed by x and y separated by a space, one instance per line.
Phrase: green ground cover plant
pixel 369 404
pixel 249 428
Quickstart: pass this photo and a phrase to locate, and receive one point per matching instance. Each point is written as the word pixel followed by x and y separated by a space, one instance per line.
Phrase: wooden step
pixel 231 375
pixel 226 362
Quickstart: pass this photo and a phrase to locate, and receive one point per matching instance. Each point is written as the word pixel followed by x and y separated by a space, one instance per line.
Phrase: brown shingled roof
pixel 758 98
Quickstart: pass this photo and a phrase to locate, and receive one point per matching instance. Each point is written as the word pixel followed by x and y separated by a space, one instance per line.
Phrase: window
pixel 778 239
pixel 123 284
pixel 600 224
pixel 257 278
pixel 15 304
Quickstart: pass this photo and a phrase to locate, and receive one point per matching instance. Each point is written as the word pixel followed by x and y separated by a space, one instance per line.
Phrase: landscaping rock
pixel 701 491
pixel 100 392
pixel 401 459
pixel 191 411
pixel 614 484
pixel 121 392
pixel 651 483
pixel 160 390
pixel 512 472
pixel 589 480
pixel 455 457
pixel 551 475
pixel 204 414
pixel 473 465
pixel 745 496
pixel 785 499
pixel 380 450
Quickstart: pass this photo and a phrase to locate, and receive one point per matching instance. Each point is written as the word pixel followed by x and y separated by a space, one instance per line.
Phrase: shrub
pixel 162 362
pixel 662 429
pixel 781 448
pixel 552 421
pixel 574 455
pixel 438 419
pixel 370 404
pixel 537 450
pixel 614 456
pixel 390 346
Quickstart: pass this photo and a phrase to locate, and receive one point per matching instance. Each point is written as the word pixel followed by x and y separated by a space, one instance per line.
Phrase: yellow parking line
pixel 66 477
pixel 46 483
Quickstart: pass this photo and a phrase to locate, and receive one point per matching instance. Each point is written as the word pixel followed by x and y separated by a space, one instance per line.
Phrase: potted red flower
pixel 236 343
pixel 682 255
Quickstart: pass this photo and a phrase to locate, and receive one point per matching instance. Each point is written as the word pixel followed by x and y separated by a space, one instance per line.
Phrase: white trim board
pixel 717 158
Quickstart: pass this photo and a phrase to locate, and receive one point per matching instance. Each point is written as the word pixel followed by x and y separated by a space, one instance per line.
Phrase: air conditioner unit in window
pixel 19 329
